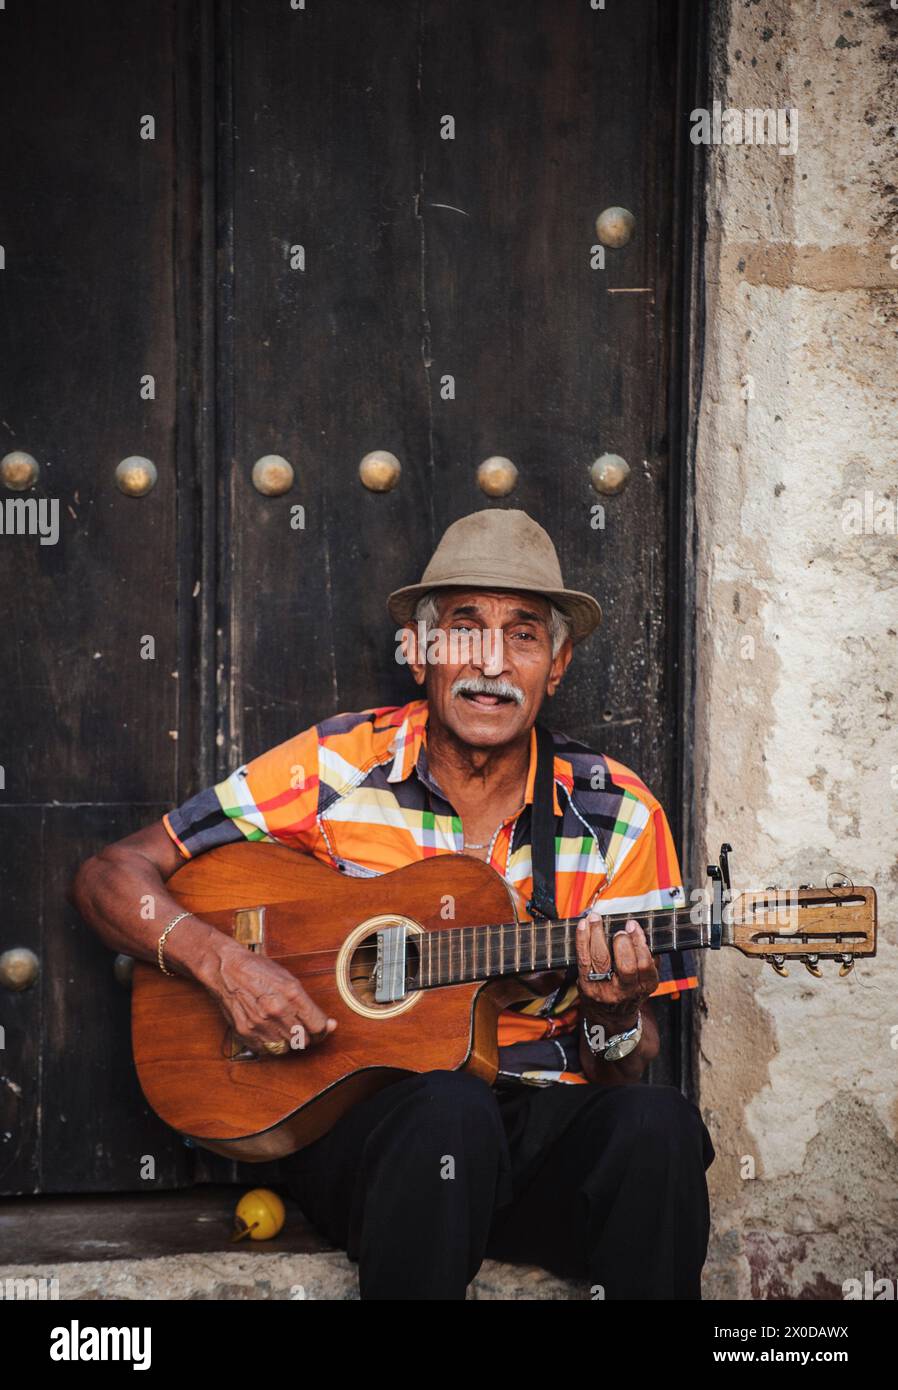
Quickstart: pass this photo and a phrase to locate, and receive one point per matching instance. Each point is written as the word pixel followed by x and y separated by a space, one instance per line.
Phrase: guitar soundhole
pixel 378 966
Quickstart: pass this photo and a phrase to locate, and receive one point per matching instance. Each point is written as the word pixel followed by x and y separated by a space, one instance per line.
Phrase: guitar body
pixel 320 925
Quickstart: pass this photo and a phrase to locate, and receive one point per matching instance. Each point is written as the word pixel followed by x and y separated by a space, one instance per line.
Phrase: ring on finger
pixel 278 1048
pixel 595 975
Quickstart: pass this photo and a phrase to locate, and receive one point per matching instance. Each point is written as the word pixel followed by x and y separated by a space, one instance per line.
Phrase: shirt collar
pixel 409 752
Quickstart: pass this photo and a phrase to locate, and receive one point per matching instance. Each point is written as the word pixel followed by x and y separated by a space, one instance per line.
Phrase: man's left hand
pixel 615 1001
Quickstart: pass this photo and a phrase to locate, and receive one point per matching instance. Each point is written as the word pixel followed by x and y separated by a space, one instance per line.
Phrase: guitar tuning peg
pixel 810 963
pixel 847 966
pixel 779 967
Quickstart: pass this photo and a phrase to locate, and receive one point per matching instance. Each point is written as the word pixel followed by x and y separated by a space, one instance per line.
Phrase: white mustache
pixel 484 685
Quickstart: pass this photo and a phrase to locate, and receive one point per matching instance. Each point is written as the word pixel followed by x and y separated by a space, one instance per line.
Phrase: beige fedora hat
pixel 498 549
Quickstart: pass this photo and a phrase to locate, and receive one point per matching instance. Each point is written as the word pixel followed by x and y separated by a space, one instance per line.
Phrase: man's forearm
pixel 117 890
pixel 630 1068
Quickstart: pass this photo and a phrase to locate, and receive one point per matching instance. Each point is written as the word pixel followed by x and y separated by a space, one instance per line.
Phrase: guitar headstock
pixel 805 924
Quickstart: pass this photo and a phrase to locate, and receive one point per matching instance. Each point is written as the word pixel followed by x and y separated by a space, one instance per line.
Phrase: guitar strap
pixel 542 829
pixel 542 843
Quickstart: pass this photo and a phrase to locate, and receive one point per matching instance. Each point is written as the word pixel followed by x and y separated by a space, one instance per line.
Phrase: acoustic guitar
pixel 415 965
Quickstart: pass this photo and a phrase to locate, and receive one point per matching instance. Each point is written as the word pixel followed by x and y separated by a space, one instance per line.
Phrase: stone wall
pixel 797 637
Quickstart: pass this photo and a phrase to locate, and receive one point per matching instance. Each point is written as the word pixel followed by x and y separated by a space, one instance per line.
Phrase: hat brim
pixel 581 609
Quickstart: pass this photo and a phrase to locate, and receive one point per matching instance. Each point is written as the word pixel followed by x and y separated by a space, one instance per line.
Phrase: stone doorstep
pixel 176 1245
pixel 320 1276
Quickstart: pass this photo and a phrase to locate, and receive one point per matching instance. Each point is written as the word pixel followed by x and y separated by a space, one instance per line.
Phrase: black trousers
pixel 604 1184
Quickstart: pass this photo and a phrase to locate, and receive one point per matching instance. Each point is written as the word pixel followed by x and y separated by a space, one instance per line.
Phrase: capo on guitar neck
pixel 719 875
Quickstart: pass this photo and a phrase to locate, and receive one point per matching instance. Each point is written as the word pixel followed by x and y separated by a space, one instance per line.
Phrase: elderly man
pixel 564 1161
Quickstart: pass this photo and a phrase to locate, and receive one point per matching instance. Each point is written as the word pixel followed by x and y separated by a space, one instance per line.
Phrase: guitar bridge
pixel 249 927
pixel 249 931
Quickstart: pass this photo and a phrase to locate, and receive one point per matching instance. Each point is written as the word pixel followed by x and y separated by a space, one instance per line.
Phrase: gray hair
pixel 427 611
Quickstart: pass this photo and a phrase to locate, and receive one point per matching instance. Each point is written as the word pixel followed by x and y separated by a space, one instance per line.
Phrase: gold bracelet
pixel 161 947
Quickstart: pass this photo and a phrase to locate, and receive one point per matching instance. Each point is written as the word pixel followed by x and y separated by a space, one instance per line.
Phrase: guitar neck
pixel 462 955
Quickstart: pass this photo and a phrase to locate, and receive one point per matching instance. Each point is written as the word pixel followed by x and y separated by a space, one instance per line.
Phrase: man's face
pixel 496 665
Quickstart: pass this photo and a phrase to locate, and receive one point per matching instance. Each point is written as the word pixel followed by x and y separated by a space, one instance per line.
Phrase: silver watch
pixel 615 1048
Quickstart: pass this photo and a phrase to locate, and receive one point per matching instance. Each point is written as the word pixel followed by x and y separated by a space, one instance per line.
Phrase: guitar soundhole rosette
pixel 362 965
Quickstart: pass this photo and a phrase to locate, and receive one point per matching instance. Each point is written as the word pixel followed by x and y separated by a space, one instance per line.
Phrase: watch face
pixel 624 1043
pixel 615 1051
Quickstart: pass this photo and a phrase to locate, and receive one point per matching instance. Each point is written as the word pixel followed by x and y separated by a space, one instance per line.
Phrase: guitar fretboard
pixel 459 955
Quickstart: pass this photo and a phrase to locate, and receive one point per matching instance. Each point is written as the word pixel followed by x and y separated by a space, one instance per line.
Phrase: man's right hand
pixel 262 1001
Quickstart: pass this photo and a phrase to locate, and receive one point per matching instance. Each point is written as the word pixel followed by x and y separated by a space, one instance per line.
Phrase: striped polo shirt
pixel 356 792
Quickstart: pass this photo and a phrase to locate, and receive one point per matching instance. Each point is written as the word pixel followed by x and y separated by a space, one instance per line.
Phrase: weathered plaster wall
pixel 796 733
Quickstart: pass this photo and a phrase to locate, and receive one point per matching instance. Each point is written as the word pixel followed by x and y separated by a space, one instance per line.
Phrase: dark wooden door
pixel 308 267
